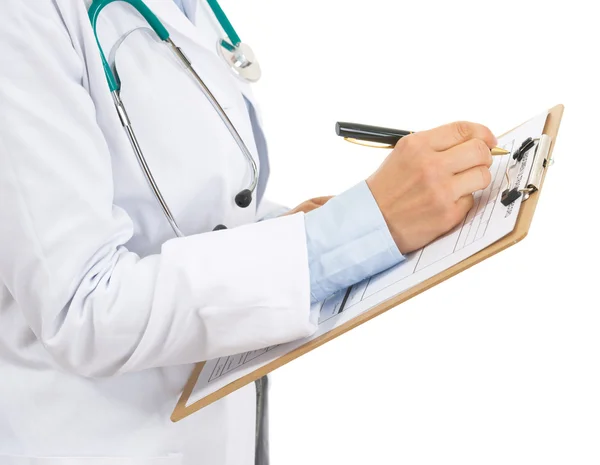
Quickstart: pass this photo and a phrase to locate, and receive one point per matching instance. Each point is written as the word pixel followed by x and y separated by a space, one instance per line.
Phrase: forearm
pixel 347 241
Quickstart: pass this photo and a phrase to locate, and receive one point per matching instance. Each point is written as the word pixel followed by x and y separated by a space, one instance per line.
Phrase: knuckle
pixel 469 203
pixel 463 130
pixel 403 146
pixel 486 176
pixel 461 208
pixel 482 150
pixel 464 205
pixel 455 212
pixel 490 135
pixel 410 143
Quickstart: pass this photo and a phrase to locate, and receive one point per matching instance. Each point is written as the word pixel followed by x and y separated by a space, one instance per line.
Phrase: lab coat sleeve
pixel 268 210
pixel 96 307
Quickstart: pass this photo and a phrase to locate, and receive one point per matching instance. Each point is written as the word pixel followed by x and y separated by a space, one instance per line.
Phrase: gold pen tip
pixel 499 151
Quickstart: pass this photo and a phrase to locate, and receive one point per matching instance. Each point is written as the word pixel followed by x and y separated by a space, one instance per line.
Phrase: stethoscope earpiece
pixel 244 198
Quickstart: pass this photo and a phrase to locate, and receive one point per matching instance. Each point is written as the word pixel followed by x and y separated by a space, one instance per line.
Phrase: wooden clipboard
pixel 182 410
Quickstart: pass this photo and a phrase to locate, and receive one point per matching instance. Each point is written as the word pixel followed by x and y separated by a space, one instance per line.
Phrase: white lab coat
pixel 102 311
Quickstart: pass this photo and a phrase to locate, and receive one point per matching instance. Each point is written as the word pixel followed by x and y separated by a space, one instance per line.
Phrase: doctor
pixel 103 308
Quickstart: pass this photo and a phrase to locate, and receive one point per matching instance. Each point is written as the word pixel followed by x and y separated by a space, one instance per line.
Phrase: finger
pixel 320 201
pixel 309 205
pixel 298 209
pixel 450 135
pixel 464 204
pixel 467 155
pixel 471 180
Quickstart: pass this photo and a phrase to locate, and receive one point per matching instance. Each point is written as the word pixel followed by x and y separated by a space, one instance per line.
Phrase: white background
pixel 501 364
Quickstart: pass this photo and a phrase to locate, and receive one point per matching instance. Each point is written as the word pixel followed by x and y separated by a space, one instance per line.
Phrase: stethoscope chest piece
pixel 241 59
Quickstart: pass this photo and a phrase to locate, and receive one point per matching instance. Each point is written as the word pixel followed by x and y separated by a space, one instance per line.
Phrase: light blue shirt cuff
pixel 348 241
pixel 275 213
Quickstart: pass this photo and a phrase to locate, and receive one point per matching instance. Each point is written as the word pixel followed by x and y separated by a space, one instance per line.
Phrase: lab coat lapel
pixel 201 32
pixel 202 28
pixel 177 23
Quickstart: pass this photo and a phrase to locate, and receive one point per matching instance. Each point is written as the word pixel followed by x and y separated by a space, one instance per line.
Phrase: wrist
pixel 385 204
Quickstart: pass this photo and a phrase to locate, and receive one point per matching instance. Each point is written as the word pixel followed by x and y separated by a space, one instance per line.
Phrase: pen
pixel 353 132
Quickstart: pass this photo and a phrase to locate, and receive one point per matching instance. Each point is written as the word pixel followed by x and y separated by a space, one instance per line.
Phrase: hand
pixel 425 186
pixel 310 205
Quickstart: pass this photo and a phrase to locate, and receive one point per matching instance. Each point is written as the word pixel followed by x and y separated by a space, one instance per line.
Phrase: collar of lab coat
pixel 201 27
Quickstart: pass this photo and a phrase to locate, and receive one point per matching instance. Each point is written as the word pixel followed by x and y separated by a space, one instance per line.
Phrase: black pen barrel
pixel 369 133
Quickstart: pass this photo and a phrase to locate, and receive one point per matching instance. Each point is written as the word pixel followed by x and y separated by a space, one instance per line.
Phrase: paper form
pixel 487 222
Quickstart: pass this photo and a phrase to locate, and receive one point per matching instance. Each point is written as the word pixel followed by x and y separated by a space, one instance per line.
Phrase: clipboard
pixel 524 219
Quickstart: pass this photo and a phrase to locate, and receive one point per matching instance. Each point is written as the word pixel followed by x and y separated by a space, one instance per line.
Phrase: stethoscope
pixel 237 54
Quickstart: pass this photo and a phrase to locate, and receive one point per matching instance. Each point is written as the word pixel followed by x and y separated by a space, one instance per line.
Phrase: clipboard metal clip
pixel 540 162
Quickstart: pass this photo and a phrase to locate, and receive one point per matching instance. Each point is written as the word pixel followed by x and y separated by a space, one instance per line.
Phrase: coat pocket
pixel 175 459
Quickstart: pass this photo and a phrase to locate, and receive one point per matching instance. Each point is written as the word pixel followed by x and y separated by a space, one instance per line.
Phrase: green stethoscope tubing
pixel 94 12
pixel 244 198
pixel 226 25
pixel 162 32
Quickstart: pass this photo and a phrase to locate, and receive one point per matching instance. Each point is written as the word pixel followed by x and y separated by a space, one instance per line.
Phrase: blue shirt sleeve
pixel 348 241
